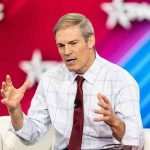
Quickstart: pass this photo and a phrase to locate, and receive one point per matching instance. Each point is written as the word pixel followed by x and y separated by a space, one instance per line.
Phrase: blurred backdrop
pixel 27 43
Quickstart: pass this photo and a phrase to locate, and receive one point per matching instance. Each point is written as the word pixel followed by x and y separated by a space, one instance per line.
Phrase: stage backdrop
pixel 27 43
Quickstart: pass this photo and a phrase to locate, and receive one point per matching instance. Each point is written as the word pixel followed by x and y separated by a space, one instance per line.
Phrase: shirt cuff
pixel 25 131
pixel 132 134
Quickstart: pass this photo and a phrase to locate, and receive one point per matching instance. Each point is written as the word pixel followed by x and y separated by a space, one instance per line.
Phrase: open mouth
pixel 70 61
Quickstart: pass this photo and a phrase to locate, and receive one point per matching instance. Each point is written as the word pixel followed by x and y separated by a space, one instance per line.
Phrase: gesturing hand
pixel 108 116
pixel 11 95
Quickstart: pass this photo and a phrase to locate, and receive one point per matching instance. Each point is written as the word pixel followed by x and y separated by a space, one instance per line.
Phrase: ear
pixel 91 41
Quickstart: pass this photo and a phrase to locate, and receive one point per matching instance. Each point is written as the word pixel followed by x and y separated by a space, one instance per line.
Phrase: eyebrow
pixel 69 42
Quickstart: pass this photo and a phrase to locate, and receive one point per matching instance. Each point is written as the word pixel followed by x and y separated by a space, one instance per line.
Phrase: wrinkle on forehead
pixel 68 34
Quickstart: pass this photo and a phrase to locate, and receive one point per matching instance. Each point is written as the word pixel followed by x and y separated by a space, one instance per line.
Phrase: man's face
pixel 77 54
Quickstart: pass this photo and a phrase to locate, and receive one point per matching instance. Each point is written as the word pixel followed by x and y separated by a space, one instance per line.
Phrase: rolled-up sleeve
pixel 37 122
pixel 127 107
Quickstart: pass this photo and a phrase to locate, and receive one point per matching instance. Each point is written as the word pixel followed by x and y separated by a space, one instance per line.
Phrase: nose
pixel 67 50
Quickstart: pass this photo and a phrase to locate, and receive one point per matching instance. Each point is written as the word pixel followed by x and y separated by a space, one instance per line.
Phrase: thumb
pixel 25 85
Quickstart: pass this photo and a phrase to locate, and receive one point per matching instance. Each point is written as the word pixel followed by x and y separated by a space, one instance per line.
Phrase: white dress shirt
pixel 53 106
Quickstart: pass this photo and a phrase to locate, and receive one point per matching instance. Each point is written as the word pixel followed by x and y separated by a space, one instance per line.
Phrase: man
pixel 110 96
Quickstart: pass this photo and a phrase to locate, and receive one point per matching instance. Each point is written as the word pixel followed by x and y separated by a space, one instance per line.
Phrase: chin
pixel 71 69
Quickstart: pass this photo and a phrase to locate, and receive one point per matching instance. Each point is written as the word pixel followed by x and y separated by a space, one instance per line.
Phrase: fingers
pixel 8 80
pixel 104 115
pixel 7 83
pixel 103 98
pixel 3 101
pixel 4 86
pixel 104 102
pixel 105 119
pixel 99 96
pixel 105 110
pixel 3 93
pixel 104 105
pixel 25 86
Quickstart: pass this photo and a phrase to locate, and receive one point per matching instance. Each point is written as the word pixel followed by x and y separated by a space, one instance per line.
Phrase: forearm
pixel 16 117
pixel 118 129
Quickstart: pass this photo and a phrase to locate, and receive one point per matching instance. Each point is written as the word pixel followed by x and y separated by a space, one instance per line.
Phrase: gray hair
pixel 72 19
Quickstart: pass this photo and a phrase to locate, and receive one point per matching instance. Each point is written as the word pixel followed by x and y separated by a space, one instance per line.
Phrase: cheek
pixel 84 55
pixel 82 60
pixel 60 53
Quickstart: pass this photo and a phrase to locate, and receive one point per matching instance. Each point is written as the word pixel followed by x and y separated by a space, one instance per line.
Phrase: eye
pixel 60 45
pixel 73 43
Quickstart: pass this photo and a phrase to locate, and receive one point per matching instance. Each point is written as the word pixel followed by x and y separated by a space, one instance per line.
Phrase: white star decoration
pixel 1 12
pixel 36 67
pixel 124 13
pixel 116 14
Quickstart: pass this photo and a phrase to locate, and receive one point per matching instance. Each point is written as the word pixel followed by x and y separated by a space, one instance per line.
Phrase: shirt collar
pixel 90 75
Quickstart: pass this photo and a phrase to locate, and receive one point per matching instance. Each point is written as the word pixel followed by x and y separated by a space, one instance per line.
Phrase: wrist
pixel 118 128
pixel 116 122
pixel 13 110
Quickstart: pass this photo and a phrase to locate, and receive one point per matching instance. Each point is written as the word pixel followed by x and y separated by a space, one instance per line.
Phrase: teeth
pixel 70 59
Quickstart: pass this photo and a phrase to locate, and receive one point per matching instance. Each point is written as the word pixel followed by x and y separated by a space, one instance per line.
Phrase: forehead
pixel 68 34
